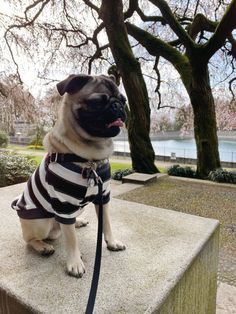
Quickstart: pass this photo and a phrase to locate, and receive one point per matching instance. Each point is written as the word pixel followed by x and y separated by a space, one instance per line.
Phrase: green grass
pixel 37 159
pixel 16 147
pixel 117 166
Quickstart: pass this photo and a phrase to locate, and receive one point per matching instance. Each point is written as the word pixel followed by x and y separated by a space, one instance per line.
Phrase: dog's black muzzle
pixel 115 104
pixel 115 109
pixel 103 118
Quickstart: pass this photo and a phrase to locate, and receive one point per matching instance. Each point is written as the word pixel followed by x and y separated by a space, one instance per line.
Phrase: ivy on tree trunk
pixel 205 130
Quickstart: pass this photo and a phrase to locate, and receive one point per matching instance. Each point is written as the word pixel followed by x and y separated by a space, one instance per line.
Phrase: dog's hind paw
pixel 42 247
pixel 47 251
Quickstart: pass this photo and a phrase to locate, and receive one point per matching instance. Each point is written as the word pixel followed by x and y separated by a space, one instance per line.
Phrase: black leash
pixel 86 172
pixel 97 263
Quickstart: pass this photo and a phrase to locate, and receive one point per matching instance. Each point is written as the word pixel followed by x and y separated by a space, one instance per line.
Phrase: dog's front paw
pixel 75 267
pixel 115 245
pixel 80 222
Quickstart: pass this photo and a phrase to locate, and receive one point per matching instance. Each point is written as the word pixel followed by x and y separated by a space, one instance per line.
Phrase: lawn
pixel 207 200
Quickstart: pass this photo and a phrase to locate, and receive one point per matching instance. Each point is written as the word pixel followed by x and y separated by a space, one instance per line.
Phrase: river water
pixel 183 148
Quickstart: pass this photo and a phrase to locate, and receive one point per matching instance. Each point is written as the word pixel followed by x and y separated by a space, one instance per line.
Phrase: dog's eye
pixel 122 99
pixel 95 104
pixel 98 101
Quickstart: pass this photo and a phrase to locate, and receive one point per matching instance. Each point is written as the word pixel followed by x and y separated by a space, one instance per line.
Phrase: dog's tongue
pixel 117 122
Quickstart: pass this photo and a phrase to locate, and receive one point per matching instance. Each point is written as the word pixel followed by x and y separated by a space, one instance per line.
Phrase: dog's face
pixel 96 103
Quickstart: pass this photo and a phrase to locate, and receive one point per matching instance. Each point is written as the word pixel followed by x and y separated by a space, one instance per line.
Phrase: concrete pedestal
pixel 169 266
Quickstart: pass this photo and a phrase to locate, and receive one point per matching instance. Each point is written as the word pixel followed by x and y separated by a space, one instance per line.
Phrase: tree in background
pixel 15 103
pixel 225 116
pixel 47 110
pixel 184 119
pixel 161 123
pixel 49 106
pixel 190 53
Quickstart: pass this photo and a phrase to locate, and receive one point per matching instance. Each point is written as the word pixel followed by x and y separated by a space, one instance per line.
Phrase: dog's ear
pixel 73 83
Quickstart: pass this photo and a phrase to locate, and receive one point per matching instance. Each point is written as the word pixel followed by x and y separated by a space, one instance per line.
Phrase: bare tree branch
pixel 67 15
pixel 157 47
pixel 28 8
pixel 23 25
pixel 201 23
pixel 231 89
pixel 196 7
pixel 173 22
pixel 91 5
pixel 150 18
pixel 133 5
pixel 223 30
pixel 186 8
pixel 95 56
pixel 233 46
pixel 157 89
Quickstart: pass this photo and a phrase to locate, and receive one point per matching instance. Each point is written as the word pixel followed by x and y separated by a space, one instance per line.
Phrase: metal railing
pixel 173 153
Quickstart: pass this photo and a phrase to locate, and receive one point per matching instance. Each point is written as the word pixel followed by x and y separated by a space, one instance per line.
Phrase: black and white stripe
pixel 58 189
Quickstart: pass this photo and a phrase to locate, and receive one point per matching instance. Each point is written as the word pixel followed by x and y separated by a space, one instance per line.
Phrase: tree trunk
pixel 205 130
pixel 141 149
pixel 142 153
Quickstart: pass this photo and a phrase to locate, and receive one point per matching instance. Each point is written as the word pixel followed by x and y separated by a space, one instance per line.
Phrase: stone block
pixel 169 266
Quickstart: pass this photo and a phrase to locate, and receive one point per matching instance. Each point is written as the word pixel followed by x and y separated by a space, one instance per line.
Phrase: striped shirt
pixel 59 190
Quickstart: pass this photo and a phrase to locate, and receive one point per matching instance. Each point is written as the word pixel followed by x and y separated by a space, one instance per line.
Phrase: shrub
pixel 3 139
pixel 178 171
pixel 120 173
pixel 36 141
pixel 223 176
pixel 15 169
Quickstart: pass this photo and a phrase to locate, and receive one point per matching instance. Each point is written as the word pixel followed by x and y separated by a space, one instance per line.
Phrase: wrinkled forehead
pixel 101 84
pixel 106 85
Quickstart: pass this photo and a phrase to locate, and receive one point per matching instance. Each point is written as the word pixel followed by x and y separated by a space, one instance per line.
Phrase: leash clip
pixel 97 177
pixel 89 167
pixel 89 172
pixel 53 157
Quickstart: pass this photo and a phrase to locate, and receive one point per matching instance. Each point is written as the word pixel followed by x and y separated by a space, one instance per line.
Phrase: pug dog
pixel 78 147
